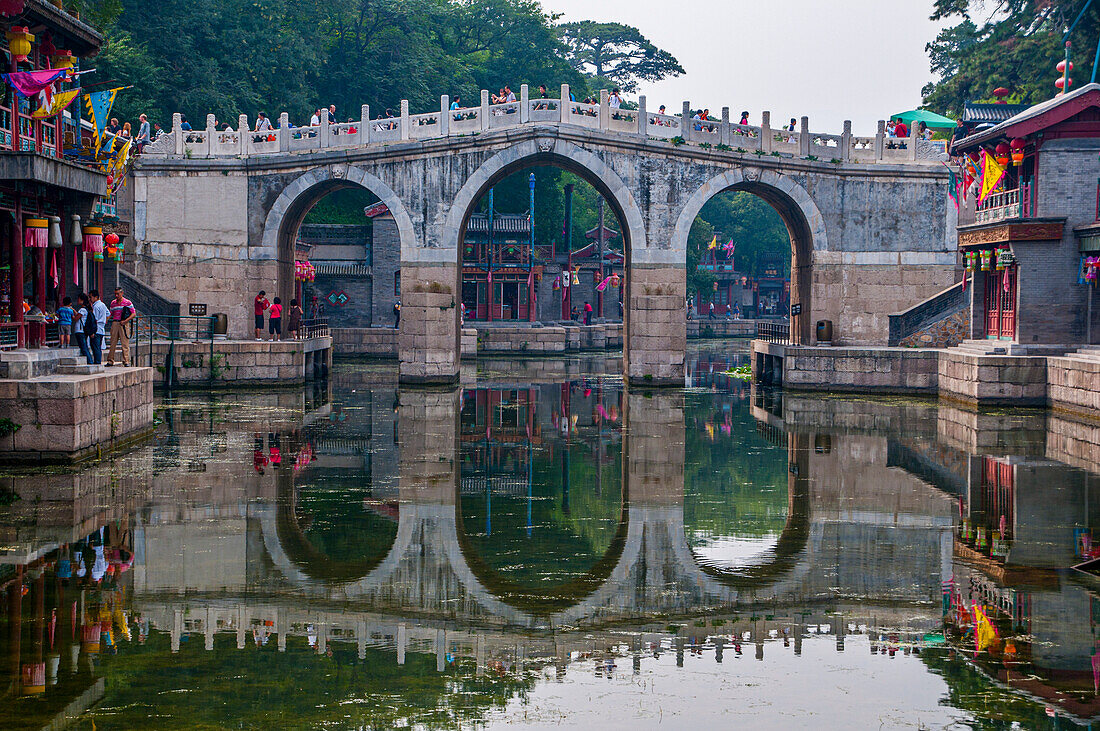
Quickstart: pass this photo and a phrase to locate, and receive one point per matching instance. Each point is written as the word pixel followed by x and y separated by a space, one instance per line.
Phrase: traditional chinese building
pixel 1031 247
pixel 42 195
pixel 732 292
pixel 499 270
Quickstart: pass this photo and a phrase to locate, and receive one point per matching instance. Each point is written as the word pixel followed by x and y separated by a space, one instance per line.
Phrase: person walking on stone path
pixel 99 315
pixel 711 311
pixel 122 312
pixel 80 322
pixel 261 305
pixel 275 322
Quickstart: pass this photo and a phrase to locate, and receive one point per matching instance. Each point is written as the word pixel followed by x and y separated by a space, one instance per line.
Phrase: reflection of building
pixel 499 428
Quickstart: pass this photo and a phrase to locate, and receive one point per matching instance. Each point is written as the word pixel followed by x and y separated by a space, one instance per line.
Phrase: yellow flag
pixel 57 105
pixel 713 242
pixel 992 173
pixel 984 631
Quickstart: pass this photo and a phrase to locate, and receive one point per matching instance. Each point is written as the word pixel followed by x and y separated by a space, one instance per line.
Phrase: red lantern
pixel 1002 151
pixel 111 239
pixel 614 280
pixel 1060 83
pixel 1000 92
pixel 1017 146
pixel 1061 67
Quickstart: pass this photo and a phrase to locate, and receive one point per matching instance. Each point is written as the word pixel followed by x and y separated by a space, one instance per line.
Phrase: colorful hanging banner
pixel 28 83
pixel 713 243
pixel 99 106
pixel 953 186
pixel 56 105
pixel 992 172
pixel 603 285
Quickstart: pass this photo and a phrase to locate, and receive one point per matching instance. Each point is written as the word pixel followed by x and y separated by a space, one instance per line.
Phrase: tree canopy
pixel 1016 47
pixel 617 53
pixel 231 57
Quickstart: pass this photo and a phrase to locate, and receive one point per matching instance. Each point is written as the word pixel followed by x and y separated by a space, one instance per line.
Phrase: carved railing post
pixel 405 132
pixel 284 132
pixel 804 137
pixel 685 121
pixel 565 107
pixel 444 115
pixel 766 132
pixel 880 139
pixel 724 130
pixel 177 123
pixel 643 117
pixel 326 140
pixel 524 106
pixel 364 124
pixel 605 116
pixel 913 137
pixel 846 141
pixel 244 138
pixel 483 115
pixel 211 134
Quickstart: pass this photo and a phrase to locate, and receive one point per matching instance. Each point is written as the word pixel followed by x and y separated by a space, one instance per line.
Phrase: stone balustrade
pixel 718 134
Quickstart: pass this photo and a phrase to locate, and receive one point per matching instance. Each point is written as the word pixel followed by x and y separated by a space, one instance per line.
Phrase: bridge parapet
pixel 719 134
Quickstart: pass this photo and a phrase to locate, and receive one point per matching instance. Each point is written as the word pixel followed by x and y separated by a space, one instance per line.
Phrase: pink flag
pixel 29 83
pixel 603 285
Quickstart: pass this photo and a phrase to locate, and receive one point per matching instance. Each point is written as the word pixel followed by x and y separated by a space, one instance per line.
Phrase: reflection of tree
pixel 563 544
pixel 264 688
pixel 993 707
pixel 332 530
pixel 735 484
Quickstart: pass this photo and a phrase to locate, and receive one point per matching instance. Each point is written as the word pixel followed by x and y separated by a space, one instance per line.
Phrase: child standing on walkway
pixel 65 322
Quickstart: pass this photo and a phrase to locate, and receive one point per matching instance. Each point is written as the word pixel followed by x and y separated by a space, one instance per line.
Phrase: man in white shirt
pixel 263 124
pixel 509 97
pixel 100 313
pixel 315 120
pixel 615 100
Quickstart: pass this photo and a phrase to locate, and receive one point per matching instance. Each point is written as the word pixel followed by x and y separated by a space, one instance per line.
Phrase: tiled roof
pixel 503 223
pixel 974 113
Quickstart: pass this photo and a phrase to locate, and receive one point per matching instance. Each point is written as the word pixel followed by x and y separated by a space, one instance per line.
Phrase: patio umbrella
pixel 930 119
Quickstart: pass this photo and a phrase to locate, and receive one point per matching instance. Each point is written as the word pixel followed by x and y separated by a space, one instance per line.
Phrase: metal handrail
pixel 774 332
pixel 173 328
pixel 314 327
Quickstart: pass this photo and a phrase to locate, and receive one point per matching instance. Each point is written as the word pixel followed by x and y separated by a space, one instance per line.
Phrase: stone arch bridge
pixel 217 212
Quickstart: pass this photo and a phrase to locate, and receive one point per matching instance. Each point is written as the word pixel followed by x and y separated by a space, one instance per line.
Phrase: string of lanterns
pixel 304 271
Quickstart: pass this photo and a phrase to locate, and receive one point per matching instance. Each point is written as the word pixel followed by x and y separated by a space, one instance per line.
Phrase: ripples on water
pixel 544 548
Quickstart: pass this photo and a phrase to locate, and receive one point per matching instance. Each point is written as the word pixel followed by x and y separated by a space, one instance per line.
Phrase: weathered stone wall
pixel 947 333
pixel 66 417
pixel 386 264
pixel 655 332
pixel 886 370
pixel 429 346
pixel 1074 386
pixel 993 380
pixel 357 311
pixel 720 328
pixel 238 363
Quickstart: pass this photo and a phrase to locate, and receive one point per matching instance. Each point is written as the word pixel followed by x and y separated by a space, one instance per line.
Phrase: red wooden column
pixel 39 328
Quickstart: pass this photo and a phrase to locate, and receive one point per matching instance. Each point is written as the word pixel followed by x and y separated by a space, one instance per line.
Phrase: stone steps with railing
pixel 719 135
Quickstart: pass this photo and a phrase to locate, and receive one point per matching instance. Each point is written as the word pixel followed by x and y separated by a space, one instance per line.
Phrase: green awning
pixel 930 119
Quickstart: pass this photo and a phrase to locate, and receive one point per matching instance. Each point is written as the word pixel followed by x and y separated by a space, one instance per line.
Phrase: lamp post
pixel 531 253
pixel 599 236
pixel 567 297
pixel 489 221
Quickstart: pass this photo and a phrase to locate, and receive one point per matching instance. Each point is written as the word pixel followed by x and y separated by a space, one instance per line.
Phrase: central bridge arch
pixel 804 222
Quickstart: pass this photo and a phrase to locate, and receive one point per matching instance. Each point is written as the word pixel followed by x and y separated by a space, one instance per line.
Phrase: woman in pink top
pixel 275 320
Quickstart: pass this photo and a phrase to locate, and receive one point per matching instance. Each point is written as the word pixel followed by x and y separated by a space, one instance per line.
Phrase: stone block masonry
pixel 232 363
pixel 65 418
pixel 429 341
pixel 655 332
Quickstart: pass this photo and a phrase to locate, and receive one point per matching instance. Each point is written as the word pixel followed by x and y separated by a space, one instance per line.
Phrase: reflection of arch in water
pixel 310 560
pixel 556 598
pixel 788 550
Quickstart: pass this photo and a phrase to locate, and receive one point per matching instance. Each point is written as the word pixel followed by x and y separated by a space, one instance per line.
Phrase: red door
pixel 1000 305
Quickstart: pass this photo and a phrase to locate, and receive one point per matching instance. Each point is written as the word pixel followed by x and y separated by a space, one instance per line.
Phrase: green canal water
pixel 544 548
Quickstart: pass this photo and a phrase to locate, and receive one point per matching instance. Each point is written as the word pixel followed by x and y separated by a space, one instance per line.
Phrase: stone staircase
pixel 1003 347
pixel 77 365
pixel 1090 353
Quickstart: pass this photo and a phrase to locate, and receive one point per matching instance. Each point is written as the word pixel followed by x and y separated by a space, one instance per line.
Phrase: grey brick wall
pixel 387 262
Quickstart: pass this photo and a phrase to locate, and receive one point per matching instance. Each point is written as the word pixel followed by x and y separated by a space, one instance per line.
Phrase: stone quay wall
pixel 240 362
pixel 65 418
pixel 718 328
pixel 381 342
pixel 896 370
pixel 1064 383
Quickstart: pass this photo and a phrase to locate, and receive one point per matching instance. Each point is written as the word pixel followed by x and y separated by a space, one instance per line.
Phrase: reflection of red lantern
pixel 1001 156
pixel 1017 146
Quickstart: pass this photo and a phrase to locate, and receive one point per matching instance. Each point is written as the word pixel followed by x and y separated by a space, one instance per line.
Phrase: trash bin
pixel 221 325
pixel 825 332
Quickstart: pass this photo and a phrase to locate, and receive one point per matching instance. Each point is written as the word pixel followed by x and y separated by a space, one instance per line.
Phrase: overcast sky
pixel 830 60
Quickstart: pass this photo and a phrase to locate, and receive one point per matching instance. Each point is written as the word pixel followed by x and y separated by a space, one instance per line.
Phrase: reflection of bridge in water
pixel 433 572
